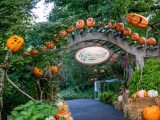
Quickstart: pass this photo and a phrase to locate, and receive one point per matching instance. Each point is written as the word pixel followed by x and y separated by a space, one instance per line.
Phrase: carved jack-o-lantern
pixel 127 32
pixel 151 41
pixel 50 45
pixel 120 27
pixel 80 24
pixel 63 33
pixel 37 72
pixel 142 40
pixel 135 36
pixel 70 29
pixel 112 24
pixel 15 43
pixel 137 20
pixel 91 22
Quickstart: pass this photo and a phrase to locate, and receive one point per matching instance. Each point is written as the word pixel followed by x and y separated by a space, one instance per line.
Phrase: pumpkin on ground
pixel 142 41
pixel 120 27
pixel 37 72
pixel 34 52
pixel 135 95
pixel 142 93
pixel 151 113
pixel 54 69
pixel 137 20
pixel 50 45
pixel 151 41
pixel 112 24
pixel 15 43
pixel 63 33
pixel 91 22
pixel 152 93
pixel 80 24
pixel 127 32
pixel 135 36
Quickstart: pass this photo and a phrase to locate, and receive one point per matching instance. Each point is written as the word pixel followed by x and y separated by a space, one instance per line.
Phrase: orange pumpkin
pixel 64 115
pixel 91 22
pixel 135 36
pixel 50 45
pixel 151 113
pixel 135 95
pixel 127 32
pixel 15 43
pixel 120 27
pixel 80 24
pixel 44 48
pixel 37 72
pixel 151 41
pixel 112 24
pixel 137 20
pixel 70 29
pixel 63 33
pixel 142 40
pixel 34 52
pixel 54 69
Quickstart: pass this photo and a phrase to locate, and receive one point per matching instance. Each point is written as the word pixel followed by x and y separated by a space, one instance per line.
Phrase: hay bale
pixel 134 109
pixel 118 106
pixel 133 112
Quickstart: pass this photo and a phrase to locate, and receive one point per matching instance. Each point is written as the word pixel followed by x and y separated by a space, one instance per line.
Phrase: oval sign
pixel 92 55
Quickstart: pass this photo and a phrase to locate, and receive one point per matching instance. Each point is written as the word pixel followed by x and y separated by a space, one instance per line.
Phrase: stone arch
pixel 85 39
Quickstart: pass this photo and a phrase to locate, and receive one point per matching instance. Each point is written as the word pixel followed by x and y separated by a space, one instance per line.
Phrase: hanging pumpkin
pixel 135 36
pixel 54 69
pixel 15 43
pixel 151 113
pixel 26 53
pixel 152 93
pixel 34 52
pixel 63 33
pixel 112 24
pixel 151 41
pixel 142 40
pixel 91 22
pixel 142 93
pixel 37 72
pixel 137 20
pixel 44 48
pixel 80 24
pixel 50 45
pixel 127 32
pixel 70 29
pixel 120 27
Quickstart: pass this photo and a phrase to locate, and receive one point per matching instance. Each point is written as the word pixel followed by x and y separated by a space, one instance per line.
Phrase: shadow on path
pixel 88 109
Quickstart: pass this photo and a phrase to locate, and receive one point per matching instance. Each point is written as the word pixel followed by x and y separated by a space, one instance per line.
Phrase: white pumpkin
pixel 120 98
pixel 152 93
pixel 50 118
pixel 142 93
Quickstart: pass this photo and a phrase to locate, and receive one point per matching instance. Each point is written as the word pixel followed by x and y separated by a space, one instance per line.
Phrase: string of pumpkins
pixel 132 18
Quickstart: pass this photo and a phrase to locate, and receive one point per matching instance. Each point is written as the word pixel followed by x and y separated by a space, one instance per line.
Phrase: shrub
pixel 150 77
pixel 32 111
pixel 108 97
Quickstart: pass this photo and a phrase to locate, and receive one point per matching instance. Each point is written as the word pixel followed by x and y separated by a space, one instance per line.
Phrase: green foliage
pixel 32 111
pixel 108 97
pixel 75 93
pixel 150 77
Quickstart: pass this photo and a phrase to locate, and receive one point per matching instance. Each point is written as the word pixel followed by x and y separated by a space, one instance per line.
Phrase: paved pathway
pixel 86 109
